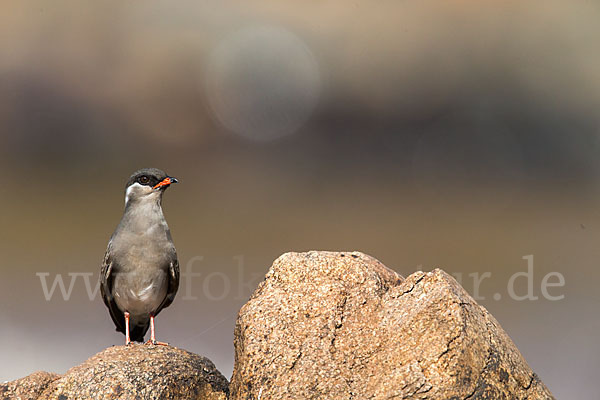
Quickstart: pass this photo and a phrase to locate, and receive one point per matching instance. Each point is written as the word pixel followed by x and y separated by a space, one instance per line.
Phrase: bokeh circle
pixel 262 83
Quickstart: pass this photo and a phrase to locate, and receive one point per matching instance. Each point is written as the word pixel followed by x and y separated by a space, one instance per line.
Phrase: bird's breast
pixel 141 274
pixel 140 291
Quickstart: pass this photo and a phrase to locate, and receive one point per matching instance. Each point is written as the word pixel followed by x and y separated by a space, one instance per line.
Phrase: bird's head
pixel 147 184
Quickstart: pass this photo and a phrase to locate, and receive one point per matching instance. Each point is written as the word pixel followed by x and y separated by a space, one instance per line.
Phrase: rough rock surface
pixel 138 372
pixel 28 388
pixel 326 325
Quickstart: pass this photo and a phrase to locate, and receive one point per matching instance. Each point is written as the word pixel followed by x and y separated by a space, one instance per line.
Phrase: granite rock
pixel 28 388
pixel 136 371
pixel 340 325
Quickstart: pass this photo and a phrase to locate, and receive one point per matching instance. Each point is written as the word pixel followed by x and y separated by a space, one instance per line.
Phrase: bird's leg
pixel 127 339
pixel 152 334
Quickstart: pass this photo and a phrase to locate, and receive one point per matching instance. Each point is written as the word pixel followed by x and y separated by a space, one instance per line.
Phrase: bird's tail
pixel 137 332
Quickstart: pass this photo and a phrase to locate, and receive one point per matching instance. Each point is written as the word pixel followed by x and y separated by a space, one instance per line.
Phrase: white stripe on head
pixel 129 190
pixel 142 194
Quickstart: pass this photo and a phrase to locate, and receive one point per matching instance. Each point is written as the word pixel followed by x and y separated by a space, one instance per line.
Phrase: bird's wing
pixel 173 279
pixel 106 286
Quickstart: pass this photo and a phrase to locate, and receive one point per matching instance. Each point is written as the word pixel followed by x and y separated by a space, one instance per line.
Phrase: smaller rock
pixel 28 388
pixel 141 371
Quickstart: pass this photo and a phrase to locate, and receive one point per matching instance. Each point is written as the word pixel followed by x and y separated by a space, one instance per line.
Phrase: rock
pixel 28 388
pixel 129 372
pixel 325 325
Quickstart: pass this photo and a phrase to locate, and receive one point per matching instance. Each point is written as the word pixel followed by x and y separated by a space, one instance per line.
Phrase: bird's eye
pixel 144 180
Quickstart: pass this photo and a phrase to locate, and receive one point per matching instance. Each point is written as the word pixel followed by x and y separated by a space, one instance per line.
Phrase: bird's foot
pixel 156 343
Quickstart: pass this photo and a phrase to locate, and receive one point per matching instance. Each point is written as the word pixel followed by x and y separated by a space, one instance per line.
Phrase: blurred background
pixel 454 134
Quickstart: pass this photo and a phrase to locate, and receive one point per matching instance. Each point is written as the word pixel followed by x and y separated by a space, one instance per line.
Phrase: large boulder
pixel 136 371
pixel 325 325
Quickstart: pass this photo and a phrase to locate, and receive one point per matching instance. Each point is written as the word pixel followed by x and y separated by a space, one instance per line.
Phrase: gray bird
pixel 140 272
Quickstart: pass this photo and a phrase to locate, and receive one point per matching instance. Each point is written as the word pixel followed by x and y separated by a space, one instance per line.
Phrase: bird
pixel 140 271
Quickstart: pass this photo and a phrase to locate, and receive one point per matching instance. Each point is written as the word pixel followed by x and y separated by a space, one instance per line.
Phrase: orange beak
pixel 165 182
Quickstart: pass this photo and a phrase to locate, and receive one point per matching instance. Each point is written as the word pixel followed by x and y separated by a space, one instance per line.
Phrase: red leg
pixel 127 339
pixel 152 334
